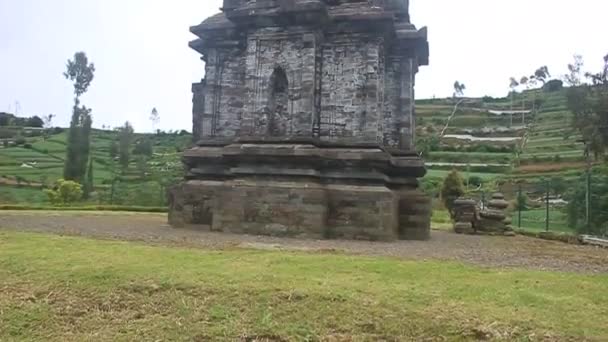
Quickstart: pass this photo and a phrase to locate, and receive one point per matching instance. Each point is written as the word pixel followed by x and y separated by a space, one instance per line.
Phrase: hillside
pixel 487 139
pixel 525 138
pixel 28 164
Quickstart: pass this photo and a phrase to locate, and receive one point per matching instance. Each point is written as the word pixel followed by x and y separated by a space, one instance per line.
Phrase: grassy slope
pixel 57 288
pixel 551 149
pixel 47 159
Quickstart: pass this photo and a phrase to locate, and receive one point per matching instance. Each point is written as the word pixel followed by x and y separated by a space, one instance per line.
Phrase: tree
pixel 143 147
pixel 64 192
pixel 574 77
pixel 114 150
pixel 558 186
pixel 125 137
pixel 524 83
pixel 81 73
pixel 48 124
pixel 155 118
pixel 34 121
pixel 142 166
pixel 532 82
pixel 553 86
pixel 513 84
pixel 475 181
pixel 48 121
pixel 598 211
pixel 89 185
pixel 459 89
pixel 589 103
pixel 542 74
pixel 452 189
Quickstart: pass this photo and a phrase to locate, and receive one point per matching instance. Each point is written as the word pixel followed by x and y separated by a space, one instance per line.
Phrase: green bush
pixel 20 141
pixel 475 181
pixel 452 189
pixel 64 193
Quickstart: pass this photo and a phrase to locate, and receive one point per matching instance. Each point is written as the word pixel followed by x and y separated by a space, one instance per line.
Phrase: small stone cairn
pixel 469 219
pixel 466 215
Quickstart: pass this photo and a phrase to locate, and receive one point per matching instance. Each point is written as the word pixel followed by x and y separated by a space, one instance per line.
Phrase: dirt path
pixel 520 252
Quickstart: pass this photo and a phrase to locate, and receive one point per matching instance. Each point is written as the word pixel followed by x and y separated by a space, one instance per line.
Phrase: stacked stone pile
pixel 494 219
pixel 469 219
pixel 466 213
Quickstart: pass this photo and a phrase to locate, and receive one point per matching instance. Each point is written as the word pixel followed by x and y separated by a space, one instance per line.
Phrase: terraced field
pixel 26 168
pixel 500 139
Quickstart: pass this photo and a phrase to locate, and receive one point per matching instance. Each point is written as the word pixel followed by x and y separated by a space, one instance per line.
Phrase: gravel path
pixel 519 252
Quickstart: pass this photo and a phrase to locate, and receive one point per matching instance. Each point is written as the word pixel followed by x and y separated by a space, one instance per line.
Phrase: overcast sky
pixel 143 61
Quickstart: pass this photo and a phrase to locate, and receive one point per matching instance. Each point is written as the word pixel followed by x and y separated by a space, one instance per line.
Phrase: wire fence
pixel 542 210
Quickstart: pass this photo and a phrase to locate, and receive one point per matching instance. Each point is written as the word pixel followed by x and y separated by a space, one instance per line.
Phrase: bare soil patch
pixel 550 167
pixel 518 252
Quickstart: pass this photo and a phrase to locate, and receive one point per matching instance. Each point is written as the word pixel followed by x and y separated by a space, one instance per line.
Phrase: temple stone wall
pixel 294 209
pixel 222 94
pixel 352 88
pixel 304 122
pixel 292 53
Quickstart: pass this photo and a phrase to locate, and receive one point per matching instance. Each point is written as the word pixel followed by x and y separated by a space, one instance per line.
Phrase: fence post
pixel 519 202
pixel 588 187
pixel 547 204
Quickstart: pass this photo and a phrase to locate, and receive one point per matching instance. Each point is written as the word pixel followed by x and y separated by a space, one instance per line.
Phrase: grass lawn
pixel 74 289
pixel 13 194
pixel 534 220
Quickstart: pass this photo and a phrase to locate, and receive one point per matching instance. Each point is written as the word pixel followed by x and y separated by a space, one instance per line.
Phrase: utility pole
pixel 519 208
pixel 587 185
pixel 588 189
pixel 547 204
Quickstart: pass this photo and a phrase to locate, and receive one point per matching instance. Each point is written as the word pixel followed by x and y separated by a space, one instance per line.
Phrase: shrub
pixel 452 189
pixel 475 181
pixel 553 85
pixel 27 145
pixel 64 193
pixel 20 141
pixel 437 121
pixel 521 202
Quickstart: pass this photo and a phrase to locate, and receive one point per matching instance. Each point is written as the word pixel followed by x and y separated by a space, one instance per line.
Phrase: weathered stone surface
pixel 304 122
pixel 493 220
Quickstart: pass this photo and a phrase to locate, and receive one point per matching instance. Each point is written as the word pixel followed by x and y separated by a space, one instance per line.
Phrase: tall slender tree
pixel 89 185
pixel 155 118
pixel 459 89
pixel 81 73
pixel 574 76
pixel 125 138
pixel 524 83
pixel 513 84
pixel 542 74
pixel 589 103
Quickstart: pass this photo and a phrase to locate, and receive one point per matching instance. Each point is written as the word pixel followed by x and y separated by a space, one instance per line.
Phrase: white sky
pixel 140 50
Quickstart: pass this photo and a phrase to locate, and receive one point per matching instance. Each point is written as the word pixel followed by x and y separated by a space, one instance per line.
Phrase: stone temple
pixel 304 123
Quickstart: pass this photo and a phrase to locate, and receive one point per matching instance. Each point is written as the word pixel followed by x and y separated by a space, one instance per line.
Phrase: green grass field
pixel 75 289
pixel 535 221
